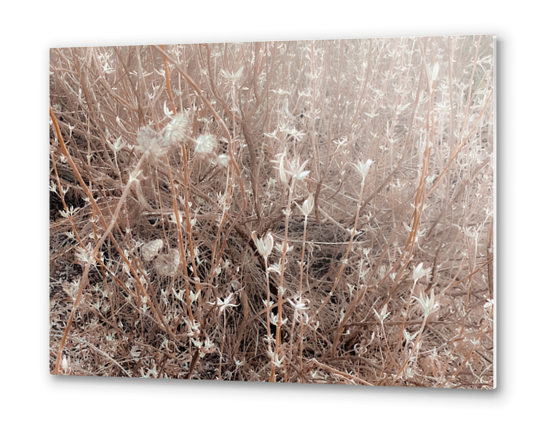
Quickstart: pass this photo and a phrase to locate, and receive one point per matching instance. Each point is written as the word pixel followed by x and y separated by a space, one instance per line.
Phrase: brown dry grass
pixel 381 271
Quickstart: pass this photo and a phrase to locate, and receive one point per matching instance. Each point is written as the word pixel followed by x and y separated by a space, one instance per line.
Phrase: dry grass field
pixel 304 211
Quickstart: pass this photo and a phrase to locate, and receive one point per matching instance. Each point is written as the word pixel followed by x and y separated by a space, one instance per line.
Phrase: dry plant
pixel 310 211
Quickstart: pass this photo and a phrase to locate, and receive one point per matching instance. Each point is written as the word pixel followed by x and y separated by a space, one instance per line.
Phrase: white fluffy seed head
pixel 176 131
pixel 149 141
pixel 206 146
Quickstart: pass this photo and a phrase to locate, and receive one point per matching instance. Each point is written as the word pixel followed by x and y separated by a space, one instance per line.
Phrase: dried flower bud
pixel 150 250
pixel 419 272
pixel 166 265
pixel 308 205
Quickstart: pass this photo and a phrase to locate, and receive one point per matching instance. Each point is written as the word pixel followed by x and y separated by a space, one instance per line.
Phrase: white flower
pixel 363 168
pixel 280 247
pixel 293 168
pixel 300 304
pixel 118 145
pixel 308 205
pixel 194 296
pixel 85 255
pixel 282 171
pixel 69 212
pixel 264 245
pixel 427 303
pixel 223 304
pixel 275 319
pixel 409 337
pixel 297 170
pixel 382 315
pixel 292 132
pixel 419 272
pixel 275 268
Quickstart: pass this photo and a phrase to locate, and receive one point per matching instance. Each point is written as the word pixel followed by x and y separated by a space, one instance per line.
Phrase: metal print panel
pixel 304 211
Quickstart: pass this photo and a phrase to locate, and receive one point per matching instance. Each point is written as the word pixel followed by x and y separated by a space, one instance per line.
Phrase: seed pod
pixel 150 250
pixel 167 265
